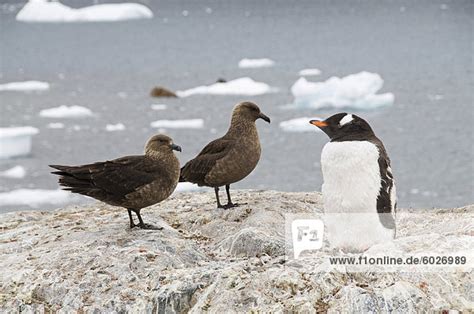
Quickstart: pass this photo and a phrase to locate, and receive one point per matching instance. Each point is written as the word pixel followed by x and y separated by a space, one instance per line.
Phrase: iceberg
pixel 36 197
pixel 66 112
pixel 256 63
pixel 16 141
pixel 26 86
pixel 299 125
pixel 309 72
pixel 17 172
pixel 158 106
pixel 241 86
pixel 57 125
pixel 55 12
pixel 115 127
pixel 179 124
pixel 357 91
pixel 187 187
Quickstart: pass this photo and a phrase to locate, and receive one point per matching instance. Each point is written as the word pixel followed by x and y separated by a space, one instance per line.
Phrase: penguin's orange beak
pixel 318 123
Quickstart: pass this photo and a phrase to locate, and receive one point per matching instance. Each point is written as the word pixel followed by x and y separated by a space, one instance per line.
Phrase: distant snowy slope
pixel 241 86
pixel 54 11
pixel 356 91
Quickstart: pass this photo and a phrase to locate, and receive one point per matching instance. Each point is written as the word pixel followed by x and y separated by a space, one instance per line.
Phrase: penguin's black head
pixel 344 126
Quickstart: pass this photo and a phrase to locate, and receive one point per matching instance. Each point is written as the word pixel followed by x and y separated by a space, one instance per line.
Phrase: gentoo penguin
pixel 133 182
pixel 230 158
pixel 358 180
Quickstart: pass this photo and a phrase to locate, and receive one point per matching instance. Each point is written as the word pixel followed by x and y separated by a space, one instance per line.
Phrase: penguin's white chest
pixel 351 186
pixel 351 176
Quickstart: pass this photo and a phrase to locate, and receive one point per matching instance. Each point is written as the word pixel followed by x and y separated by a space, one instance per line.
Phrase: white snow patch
pixel 310 72
pixel 16 141
pixel 241 86
pixel 256 63
pixel 54 11
pixel 158 107
pixel 354 91
pixel 346 119
pixel 57 125
pixel 35 197
pixel 26 86
pixel 17 172
pixel 299 125
pixel 179 124
pixel 66 112
pixel 114 127
pixel 187 187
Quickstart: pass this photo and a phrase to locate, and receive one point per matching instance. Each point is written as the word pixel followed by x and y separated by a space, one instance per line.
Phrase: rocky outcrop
pixel 220 261
pixel 159 91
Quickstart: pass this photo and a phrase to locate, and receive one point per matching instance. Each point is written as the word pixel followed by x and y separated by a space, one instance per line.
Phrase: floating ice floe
pixel 241 86
pixel 36 197
pixel 256 63
pixel 356 91
pixel 66 112
pixel 16 141
pixel 26 86
pixel 122 95
pixel 299 125
pixel 114 127
pixel 179 124
pixel 187 187
pixel 57 125
pixel 158 107
pixel 309 72
pixel 17 172
pixel 54 11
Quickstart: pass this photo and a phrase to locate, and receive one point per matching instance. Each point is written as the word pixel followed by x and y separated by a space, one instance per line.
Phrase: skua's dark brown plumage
pixel 230 158
pixel 133 182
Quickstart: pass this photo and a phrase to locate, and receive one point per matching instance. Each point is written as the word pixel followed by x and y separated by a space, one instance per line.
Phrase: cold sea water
pixel 422 50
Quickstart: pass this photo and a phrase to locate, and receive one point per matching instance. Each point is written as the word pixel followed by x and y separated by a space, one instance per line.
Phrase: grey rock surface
pixel 212 260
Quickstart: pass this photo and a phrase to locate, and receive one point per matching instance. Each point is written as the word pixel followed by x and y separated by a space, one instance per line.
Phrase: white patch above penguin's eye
pixel 346 119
